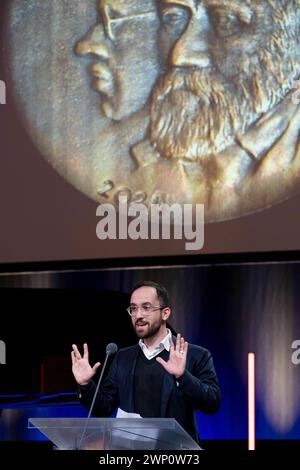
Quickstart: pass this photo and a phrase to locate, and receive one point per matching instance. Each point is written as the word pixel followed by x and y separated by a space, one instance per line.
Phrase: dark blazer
pixel 198 388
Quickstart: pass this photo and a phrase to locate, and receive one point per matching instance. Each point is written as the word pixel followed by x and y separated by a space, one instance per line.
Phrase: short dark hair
pixel 161 291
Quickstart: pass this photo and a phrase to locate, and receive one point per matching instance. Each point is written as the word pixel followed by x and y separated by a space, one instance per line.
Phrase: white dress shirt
pixel 164 344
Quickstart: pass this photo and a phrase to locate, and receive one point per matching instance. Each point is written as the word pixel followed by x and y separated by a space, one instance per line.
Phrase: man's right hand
pixel 81 368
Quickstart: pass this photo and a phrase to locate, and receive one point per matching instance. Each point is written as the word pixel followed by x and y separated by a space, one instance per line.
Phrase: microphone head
pixel 111 348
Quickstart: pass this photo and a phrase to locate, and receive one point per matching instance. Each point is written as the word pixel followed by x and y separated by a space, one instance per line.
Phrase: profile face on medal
pixel 122 69
pixel 226 67
pixel 186 101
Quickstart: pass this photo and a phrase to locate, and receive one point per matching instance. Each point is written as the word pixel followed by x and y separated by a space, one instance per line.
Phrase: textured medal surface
pixel 162 101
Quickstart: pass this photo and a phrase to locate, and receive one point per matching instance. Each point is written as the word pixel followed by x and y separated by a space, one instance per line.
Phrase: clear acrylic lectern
pixel 114 433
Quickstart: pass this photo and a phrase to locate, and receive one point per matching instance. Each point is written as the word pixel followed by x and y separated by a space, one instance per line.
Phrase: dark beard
pixel 152 330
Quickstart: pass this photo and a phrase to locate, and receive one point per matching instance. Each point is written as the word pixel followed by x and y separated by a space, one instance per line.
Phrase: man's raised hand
pixel 81 368
pixel 177 358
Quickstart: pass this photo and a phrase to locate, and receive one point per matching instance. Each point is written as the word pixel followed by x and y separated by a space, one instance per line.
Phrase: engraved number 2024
pixel 138 197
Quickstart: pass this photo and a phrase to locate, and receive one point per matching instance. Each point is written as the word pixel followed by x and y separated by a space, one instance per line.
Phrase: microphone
pixel 111 348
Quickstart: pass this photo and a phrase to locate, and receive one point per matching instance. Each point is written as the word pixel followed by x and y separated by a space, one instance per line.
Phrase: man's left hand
pixel 177 359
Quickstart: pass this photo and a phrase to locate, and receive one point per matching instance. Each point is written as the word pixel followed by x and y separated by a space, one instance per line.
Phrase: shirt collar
pixel 164 344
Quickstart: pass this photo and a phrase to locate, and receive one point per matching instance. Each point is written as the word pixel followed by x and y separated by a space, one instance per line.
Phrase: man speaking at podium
pixel 161 376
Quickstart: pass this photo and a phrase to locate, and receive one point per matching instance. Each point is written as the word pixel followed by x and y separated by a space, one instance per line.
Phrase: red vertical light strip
pixel 251 401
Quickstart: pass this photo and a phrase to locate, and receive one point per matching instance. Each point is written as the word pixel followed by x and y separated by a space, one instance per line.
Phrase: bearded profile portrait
pixel 223 110
pixel 176 101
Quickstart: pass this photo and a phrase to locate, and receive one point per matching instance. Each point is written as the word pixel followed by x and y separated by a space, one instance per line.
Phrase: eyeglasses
pixel 109 21
pixel 146 308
